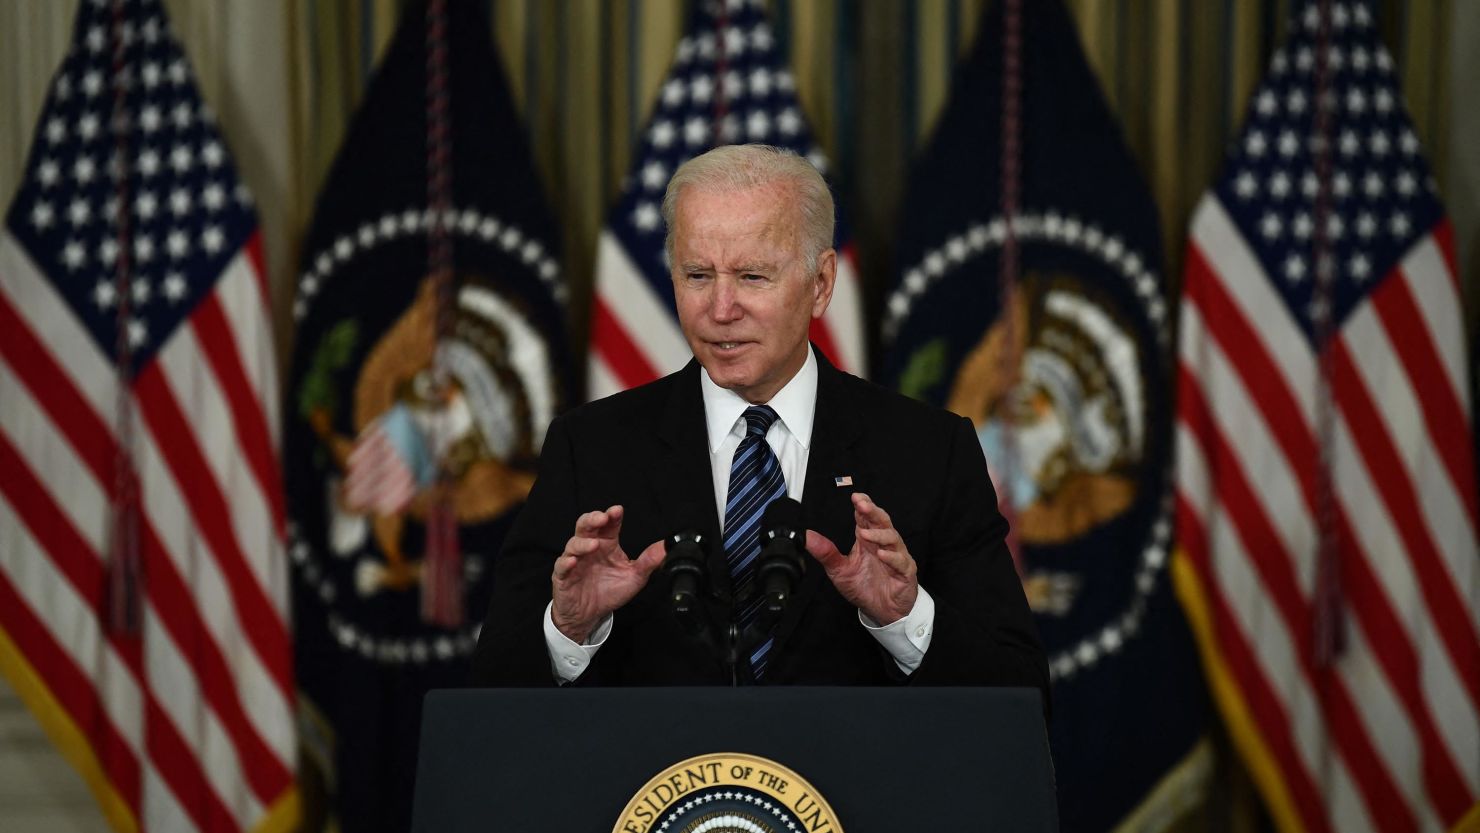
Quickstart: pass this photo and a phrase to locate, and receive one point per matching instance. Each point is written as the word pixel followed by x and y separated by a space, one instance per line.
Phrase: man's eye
pixel 751 277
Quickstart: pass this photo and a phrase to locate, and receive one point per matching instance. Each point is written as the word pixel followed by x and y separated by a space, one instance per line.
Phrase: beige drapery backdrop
pixel 286 75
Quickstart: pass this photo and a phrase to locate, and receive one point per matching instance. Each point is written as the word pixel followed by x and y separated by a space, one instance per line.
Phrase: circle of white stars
pixel 468 223
pixel 981 239
pixel 400 650
pixel 728 821
pixel 1052 227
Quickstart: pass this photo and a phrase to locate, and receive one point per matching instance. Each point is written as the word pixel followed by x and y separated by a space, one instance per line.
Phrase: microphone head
pixel 782 513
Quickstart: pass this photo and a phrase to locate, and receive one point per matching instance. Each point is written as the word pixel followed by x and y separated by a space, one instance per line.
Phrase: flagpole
pixel 1010 360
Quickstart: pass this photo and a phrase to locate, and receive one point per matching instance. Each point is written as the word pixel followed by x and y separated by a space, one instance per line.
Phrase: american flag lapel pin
pixel 845 480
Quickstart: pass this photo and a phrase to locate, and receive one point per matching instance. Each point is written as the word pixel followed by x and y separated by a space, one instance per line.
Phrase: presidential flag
pixel 138 385
pixel 1325 494
pixel 371 433
pixel 1065 376
pixel 728 85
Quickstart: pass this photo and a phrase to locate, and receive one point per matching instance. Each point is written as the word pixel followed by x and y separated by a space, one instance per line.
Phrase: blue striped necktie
pixel 755 481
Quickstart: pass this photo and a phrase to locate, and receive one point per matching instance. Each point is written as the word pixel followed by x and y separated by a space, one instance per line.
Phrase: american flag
pixel 1385 736
pixel 728 85
pixel 187 722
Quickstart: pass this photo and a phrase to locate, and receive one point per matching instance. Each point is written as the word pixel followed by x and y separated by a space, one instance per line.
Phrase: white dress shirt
pixel 790 437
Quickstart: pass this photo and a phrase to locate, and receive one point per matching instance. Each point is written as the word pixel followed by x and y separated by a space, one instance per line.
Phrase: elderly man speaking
pixel 909 580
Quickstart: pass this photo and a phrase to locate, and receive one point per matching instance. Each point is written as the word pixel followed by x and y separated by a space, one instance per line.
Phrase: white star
pixel 181 159
pixel 734 85
pixel 914 281
pixel 1356 101
pixel 1311 18
pixel 1303 226
pixel 510 239
pixel 531 251
pixel 1266 103
pixel 701 89
pixel 343 246
pixel 1407 183
pixel 487 229
pixel 180 202
pixel 785 81
pixel 87 126
pixel 151 75
pixel 1361 60
pixel 662 133
pixel 685 50
pixel 1399 224
pixel 673 92
pixel 47 173
pixel 1279 185
pixel 956 249
pixel 1335 58
pixel 84 169
pixel 704 44
pixel 1366 224
pixel 646 216
pixel 1304 59
pixel 1339 17
pixel 97 39
pixel 1296 101
pixel 1384 61
pixel 366 235
pixel 79 212
pixel 213 154
pixel 74 255
pixel 143 248
pixel 1349 142
pixel 1295 268
pixel 212 239
pixel 214 196
pixel 1289 144
pixel 818 160
pixel 1360 267
pixel 56 130
pixel 42 215
pixel 179 73
pixel 1309 184
pixel 1372 184
pixel 1270 226
pixel 789 122
pixel 178 244
pixel 181 116
pixel 1361 15
pixel 1408 142
pixel 1335 226
pixel 104 294
pixel 935 264
pixel 760 81
pixel 654 175
pixel 138 332
pixel 92 83
pixel 148 162
pixel 734 42
pixel 1379 144
pixel 1318 310
pixel 758 125
pixel 760 37
pixel 1383 101
pixel 695 131
pixel 141 290
pixel 1341 185
pixel 146 204
pixel 149 118
pixel 1279 64
pixel 1255 144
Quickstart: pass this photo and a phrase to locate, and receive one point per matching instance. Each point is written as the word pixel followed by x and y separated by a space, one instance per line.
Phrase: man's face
pixel 745 299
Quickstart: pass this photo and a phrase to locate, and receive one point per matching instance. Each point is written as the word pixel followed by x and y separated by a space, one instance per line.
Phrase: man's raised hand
pixel 594 577
pixel 878 576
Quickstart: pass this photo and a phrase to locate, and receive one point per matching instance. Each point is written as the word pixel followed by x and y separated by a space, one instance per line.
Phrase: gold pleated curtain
pixel 872 75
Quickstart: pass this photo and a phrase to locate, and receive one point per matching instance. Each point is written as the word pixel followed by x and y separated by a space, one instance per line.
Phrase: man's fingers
pixel 600 524
pixel 652 557
pixel 823 549
pixel 889 548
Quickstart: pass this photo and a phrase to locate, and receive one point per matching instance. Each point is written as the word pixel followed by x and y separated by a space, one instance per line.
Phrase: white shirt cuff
pixel 907 639
pixel 569 659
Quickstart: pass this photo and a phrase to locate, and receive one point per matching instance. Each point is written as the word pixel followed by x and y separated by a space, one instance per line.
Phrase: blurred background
pixel 873 78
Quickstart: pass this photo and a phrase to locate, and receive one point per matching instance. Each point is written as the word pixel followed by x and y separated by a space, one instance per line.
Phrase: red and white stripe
pixel 1388 738
pixel 635 337
pixel 190 722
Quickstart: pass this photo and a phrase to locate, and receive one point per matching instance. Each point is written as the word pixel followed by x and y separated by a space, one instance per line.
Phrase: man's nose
pixel 724 306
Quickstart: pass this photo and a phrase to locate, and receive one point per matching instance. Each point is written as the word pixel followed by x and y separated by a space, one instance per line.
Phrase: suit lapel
pixel 827 507
pixel 681 475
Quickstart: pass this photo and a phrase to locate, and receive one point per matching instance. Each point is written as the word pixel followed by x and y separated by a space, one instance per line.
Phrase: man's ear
pixel 827 273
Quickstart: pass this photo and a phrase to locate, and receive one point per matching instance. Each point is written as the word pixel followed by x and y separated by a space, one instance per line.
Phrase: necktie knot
pixel 758 420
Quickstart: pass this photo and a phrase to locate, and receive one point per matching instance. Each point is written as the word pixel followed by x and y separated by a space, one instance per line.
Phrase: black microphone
pixel 779 568
pixel 687 566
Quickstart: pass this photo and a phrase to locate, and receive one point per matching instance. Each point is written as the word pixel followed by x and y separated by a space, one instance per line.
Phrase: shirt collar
pixel 795 404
